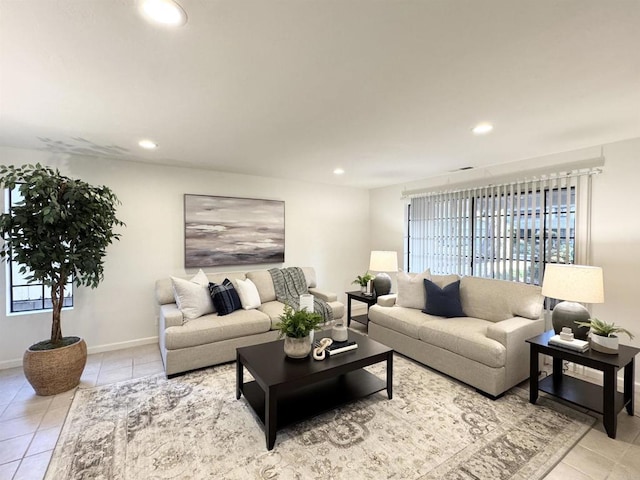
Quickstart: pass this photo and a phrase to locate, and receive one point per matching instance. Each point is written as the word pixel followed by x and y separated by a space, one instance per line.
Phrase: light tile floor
pixel 30 425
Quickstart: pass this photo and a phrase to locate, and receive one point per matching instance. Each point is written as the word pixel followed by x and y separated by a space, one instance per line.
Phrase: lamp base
pixel 565 314
pixel 382 284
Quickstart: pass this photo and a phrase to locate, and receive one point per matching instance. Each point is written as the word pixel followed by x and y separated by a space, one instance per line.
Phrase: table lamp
pixel 573 284
pixel 382 262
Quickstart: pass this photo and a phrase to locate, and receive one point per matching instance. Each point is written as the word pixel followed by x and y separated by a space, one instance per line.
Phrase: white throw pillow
pixel 192 296
pixel 411 292
pixel 248 293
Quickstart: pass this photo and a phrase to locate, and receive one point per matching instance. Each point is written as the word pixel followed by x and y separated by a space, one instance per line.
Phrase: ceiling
pixel 387 90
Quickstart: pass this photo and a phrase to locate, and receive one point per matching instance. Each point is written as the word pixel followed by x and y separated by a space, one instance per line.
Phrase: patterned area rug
pixel 192 427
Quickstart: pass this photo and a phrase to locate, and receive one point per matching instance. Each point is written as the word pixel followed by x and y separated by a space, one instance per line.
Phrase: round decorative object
pixel 565 314
pixel 339 332
pixel 297 347
pixel 604 344
pixel 382 284
pixel 55 371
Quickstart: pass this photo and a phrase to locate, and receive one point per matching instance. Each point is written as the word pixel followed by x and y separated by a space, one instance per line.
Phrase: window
pixel 24 296
pixel 506 231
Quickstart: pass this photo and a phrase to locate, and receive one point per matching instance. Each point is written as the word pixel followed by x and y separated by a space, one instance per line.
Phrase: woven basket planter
pixel 55 371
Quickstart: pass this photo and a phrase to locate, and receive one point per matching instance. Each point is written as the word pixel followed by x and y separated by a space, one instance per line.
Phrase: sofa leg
pixel 488 395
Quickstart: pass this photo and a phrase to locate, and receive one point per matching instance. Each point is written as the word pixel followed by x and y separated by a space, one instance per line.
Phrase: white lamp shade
pixel 383 261
pixel 573 283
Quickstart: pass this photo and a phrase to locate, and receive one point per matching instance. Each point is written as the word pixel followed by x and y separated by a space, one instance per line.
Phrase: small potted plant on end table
pixel 296 326
pixel 363 281
pixel 603 338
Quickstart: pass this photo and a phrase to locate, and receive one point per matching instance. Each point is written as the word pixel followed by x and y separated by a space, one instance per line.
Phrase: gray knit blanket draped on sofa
pixel 290 283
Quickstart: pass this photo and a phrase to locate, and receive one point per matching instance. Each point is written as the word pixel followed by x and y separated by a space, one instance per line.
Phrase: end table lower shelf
pixel 579 392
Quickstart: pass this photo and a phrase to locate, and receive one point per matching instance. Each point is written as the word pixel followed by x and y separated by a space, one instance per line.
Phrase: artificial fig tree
pixel 58 232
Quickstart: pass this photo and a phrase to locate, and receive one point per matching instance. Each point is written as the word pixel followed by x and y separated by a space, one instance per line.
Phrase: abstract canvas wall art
pixel 232 231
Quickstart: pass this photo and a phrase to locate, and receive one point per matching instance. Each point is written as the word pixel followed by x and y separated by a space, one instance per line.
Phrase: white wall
pixel 615 223
pixel 326 227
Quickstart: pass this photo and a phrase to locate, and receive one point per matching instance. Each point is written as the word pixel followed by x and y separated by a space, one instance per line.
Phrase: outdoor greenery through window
pixel 506 232
pixel 24 296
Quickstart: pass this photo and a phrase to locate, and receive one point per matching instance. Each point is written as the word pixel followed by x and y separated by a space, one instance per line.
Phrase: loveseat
pixel 194 335
pixel 485 349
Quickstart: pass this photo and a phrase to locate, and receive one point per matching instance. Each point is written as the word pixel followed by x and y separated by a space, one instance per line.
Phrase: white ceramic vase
pixel 604 344
pixel 339 332
pixel 297 347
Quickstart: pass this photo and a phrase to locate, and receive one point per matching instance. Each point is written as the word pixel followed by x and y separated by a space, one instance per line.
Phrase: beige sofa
pixel 485 349
pixel 187 344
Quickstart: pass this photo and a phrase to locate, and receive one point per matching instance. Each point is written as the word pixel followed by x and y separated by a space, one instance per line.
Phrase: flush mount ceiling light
pixel 482 128
pixel 148 144
pixel 338 171
pixel 165 12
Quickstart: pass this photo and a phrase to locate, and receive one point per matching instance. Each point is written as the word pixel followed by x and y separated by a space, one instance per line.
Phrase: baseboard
pixel 122 345
pixel 17 362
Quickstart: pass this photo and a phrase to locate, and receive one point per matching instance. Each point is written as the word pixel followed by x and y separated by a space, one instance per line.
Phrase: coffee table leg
pixel 533 374
pixel 609 389
pixel 270 417
pixel 239 375
pixel 348 311
pixel 628 385
pixel 390 375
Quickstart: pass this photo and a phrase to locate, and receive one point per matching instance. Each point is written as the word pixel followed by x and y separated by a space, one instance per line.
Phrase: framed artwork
pixel 232 231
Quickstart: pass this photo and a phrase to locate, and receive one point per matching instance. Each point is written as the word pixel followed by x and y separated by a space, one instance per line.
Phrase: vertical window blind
pixel 507 231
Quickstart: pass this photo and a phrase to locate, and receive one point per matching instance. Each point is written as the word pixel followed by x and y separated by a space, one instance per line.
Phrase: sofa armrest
pixel 513 333
pixel 387 300
pixel 170 315
pixel 326 296
pixel 516 328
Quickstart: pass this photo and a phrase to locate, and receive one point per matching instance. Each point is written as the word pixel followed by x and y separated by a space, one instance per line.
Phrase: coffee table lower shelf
pixel 311 400
pixel 579 392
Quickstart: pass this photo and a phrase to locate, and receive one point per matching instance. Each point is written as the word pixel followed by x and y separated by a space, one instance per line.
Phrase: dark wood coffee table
pixel 286 391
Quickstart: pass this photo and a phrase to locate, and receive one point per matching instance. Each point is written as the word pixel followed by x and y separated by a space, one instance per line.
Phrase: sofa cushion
pixel 466 337
pixel 225 298
pixel 497 300
pixel 443 302
pixel 192 296
pixel 411 291
pixel 264 283
pixel 401 319
pixel 249 295
pixel 214 328
pixel 273 310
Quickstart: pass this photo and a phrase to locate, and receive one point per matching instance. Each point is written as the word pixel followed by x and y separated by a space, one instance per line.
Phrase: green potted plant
pixel 363 281
pixel 603 335
pixel 58 232
pixel 296 326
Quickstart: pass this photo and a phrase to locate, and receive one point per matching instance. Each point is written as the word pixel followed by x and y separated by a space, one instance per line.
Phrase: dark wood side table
pixel 603 399
pixel 358 296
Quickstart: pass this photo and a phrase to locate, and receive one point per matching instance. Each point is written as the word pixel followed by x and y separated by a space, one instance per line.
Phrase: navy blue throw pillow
pixel 443 302
pixel 225 298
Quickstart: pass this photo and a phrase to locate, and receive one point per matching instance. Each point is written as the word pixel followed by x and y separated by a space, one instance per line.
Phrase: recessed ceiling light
pixel 166 12
pixel 482 128
pixel 148 144
pixel 338 171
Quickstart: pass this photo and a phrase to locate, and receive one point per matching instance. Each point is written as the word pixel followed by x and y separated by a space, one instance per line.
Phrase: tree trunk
pixel 57 299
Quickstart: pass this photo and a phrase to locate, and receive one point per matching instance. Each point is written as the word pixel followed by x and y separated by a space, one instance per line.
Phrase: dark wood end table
pixel 603 399
pixel 286 391
pixel 358 296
